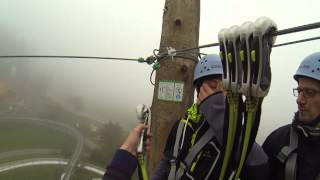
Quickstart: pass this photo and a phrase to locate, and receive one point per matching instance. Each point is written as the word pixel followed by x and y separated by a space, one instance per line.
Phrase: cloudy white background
pixel 132 29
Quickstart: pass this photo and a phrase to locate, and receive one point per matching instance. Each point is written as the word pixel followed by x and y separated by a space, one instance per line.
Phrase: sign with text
pixel 170 91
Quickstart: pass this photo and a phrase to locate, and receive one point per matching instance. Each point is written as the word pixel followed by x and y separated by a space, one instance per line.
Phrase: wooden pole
pixel 180 30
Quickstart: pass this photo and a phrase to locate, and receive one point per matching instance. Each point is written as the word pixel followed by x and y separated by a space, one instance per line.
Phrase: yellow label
pixel 221 55
pixel 253 55
pixel 230 57
pixel 242 55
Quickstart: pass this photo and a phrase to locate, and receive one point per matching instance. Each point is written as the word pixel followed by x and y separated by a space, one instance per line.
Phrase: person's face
pixel 308 99
pixel 208 87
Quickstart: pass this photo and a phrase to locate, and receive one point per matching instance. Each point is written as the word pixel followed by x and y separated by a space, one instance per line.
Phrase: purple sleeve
pixel 121 167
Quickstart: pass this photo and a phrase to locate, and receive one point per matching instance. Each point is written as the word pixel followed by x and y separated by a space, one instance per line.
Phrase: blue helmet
pixel 207 66
pixel 309 67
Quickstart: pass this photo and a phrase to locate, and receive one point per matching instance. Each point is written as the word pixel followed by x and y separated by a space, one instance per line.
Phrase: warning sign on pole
pixel 170 91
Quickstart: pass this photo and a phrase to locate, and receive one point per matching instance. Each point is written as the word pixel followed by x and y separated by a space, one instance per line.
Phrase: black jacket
pixel 256 166
pixel 308 161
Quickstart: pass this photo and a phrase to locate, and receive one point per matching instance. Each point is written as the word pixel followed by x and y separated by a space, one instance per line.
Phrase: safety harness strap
pixel 176 151
pixel 288 155
pixel 193 152
pixel 290 168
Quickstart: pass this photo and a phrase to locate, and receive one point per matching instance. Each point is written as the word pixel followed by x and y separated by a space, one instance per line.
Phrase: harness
pixel 288 155
pixel 183 167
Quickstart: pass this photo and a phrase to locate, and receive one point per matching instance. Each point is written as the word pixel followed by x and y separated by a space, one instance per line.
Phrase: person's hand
pixel 207 88
pixel 133 139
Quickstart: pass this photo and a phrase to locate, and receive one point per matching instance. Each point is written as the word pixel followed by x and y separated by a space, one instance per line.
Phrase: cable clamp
pixel 171 52
pixel 150 60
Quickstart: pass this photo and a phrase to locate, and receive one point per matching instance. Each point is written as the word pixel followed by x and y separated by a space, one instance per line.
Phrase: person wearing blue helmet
pixel 294 149
pixel 208 81
pixel 194 147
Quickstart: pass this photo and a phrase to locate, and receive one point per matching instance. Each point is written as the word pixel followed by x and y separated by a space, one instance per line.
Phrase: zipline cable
pixel 297 29
pixel 160 56
pixel 72 57
pixel 276 33
pixel 296 42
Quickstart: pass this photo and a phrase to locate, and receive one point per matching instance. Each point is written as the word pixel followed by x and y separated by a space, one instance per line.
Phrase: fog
pixel 109 90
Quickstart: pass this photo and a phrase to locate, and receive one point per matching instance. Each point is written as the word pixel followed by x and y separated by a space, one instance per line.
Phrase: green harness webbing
pixel 186 164
pixel 232 125
pixel 143 167
pixel 252 106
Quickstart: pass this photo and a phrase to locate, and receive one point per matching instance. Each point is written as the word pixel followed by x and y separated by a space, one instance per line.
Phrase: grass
pixel 14 136
pixel 49 172
pixel 82 174
pixel 17 136
pixel 45 172
pixel 29 156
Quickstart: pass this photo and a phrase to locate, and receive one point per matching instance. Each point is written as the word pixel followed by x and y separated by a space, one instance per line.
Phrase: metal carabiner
pixel 260 56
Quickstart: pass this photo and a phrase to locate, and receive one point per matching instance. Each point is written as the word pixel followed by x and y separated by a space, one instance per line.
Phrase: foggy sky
pixel 132 29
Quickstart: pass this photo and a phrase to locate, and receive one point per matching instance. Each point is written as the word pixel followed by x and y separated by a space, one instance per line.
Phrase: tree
pixel 180 30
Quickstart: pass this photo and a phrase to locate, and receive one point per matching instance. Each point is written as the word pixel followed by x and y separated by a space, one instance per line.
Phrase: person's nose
pixel 301 100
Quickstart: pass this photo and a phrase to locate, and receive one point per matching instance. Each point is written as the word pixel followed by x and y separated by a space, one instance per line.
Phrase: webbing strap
pixel 176 151
pixel 285 153
pixel 290 168
pixel 291 163
pixel 193 152
pixel 293 138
